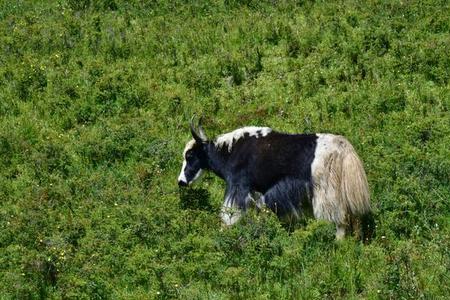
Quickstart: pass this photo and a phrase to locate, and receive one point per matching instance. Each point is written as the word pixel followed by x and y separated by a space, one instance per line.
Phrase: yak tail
pixel 354 186
pixel 355 194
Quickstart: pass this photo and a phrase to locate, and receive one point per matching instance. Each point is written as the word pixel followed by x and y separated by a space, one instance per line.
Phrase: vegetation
pixel 95 99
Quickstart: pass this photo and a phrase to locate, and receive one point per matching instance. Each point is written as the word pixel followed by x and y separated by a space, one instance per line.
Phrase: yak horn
pixel 198 135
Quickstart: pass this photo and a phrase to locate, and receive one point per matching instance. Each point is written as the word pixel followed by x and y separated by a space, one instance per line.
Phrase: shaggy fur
pixel 292 174
pixel 341 192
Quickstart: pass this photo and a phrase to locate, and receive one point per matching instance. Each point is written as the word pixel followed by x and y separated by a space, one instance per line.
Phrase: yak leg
pixel 340 232
pixel 236 200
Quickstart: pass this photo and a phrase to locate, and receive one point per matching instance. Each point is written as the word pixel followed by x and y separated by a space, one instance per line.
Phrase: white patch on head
pixel 189 146
pixel 182 176
pixel 228 139
pixel 229 214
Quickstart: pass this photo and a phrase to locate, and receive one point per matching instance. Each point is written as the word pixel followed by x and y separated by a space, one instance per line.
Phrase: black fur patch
pixel 289 197
pixel 277 165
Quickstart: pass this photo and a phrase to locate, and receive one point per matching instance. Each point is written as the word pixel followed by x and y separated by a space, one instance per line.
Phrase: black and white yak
pixel 289 173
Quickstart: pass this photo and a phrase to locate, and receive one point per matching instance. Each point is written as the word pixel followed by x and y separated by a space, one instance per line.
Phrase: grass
pixel 95 100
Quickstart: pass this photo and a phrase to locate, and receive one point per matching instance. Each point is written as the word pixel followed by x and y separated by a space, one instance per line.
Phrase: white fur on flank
pixel 340 185
pixel 228 139
pixel 182 176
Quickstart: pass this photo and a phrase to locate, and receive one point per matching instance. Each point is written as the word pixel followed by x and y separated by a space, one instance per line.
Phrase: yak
pixel 291 174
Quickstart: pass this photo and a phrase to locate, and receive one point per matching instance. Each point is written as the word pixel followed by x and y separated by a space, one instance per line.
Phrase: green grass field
pixel 95 100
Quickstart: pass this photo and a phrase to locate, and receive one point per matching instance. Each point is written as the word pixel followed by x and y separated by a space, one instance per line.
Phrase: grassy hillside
pixel 95 99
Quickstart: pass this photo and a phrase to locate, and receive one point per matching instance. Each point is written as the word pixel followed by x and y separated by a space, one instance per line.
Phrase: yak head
pixel 195 158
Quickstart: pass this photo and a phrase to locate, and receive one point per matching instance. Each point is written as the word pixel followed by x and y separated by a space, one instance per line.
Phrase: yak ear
pixel 200 136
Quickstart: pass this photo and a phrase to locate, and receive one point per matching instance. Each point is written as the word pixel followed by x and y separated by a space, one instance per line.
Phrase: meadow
pixel 95 102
